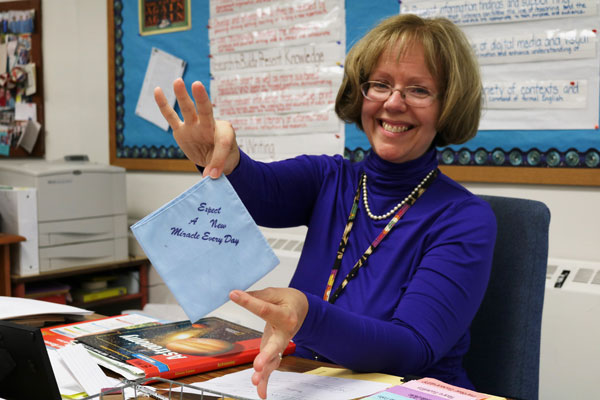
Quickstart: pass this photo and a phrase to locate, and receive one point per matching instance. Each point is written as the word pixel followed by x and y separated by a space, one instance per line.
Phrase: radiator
pixel 570 348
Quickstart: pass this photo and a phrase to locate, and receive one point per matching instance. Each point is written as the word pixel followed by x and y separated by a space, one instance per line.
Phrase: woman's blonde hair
pixel 449 58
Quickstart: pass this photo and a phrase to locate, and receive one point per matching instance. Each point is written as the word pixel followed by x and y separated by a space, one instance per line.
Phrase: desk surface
pixel 288 364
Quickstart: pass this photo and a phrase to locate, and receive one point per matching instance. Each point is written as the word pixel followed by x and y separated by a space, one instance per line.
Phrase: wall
pixel 75 75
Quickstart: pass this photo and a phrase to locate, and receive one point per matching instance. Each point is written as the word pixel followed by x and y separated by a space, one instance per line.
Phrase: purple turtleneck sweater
pixel 409 309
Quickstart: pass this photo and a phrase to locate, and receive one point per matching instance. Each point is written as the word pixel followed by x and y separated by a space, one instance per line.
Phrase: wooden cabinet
pixel 5 241
pixel 17 285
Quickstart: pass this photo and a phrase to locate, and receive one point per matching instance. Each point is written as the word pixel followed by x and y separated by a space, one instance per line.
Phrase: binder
pixel 18 207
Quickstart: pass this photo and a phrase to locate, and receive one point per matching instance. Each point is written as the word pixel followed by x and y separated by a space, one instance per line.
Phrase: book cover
pixel 61 335
pixel 179 348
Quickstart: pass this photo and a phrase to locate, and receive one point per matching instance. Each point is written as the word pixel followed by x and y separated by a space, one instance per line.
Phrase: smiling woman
pixel 403 305
pixel 447 58
pixel 398 128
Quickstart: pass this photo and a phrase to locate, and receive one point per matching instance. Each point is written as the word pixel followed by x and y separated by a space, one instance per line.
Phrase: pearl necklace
pixel 397 206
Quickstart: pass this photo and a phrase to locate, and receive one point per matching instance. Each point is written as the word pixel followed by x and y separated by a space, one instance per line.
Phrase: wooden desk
pixel 288 364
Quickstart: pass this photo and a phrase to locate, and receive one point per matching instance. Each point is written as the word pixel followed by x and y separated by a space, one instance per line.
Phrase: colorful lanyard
pixel 363 259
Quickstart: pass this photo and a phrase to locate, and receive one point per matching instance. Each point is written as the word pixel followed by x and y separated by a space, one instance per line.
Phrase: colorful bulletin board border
pixel 532 156
pixel 135 143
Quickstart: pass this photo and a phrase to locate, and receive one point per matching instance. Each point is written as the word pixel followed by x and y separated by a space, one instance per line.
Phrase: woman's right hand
pixel 205 141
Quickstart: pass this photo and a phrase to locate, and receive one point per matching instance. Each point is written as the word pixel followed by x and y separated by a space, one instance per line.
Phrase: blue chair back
pixel 504 356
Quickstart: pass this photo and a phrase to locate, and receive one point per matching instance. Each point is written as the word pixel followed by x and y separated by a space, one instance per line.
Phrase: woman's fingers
pixel 186 105
pixel 260 378
pixel 284 310
pixel 165 109
pixel 264 307
pixel 203 104
pixel 224 142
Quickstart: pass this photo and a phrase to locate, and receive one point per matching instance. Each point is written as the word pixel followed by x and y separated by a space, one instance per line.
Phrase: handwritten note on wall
pixel 276 68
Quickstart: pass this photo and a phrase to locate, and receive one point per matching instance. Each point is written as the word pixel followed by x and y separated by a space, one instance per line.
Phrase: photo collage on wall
pixel 18 114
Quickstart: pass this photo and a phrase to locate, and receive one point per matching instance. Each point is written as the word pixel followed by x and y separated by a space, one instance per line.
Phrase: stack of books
pixel 175 349
pixel 98 288
pixel 52 291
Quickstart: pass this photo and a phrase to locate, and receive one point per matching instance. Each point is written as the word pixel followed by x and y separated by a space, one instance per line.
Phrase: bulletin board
pixel 12 86
pixel 565 157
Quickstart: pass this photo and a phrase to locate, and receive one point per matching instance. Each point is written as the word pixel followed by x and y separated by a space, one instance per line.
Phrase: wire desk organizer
pixel 174 391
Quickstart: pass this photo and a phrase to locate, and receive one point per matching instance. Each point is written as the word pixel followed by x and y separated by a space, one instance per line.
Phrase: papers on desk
pixel 84 369
pixel 291 386
pixel 204 244
pixel 17 307
pixel 429 389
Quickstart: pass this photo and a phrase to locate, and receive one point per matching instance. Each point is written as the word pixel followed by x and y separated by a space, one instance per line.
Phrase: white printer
pixel 81 210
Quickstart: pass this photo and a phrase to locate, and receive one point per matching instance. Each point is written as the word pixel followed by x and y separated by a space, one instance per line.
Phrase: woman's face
pixel 399 132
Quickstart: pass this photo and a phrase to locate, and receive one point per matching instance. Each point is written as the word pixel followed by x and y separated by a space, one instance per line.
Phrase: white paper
pixel 292 14
pixel 582 98
pixel 292 386
pixel 13 307
pixel 3 56
pixel 163 69
pixel 11 47
pixel 127 371
pixel 541 94
pixel 539 74
pixel 25 111
pixel 328 54
pixel 276 69
pixel 31 87
pixel 67 384
pixel 280 147
pixel 474 12
pixel 29 135
pixel 545 45
pixel 85 370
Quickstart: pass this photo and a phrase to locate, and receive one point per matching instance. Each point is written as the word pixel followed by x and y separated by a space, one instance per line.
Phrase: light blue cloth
pixel 204 244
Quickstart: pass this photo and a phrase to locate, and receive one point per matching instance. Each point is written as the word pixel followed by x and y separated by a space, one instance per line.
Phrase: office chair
pixel 504 356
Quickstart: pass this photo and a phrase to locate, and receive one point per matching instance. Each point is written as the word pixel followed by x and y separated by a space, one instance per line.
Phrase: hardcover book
pixel 177 349
pixel 59 336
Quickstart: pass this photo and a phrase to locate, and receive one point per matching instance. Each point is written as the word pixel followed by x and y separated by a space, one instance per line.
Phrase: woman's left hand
pixel 283 310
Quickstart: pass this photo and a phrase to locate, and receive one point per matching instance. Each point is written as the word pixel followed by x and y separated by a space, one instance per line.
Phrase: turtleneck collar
pixel 384 173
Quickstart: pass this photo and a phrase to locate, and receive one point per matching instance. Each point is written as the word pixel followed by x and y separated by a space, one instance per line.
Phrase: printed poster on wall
pixel 539 59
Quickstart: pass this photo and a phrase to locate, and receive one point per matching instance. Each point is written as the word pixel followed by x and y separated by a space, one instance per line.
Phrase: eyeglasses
pixel 416 96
